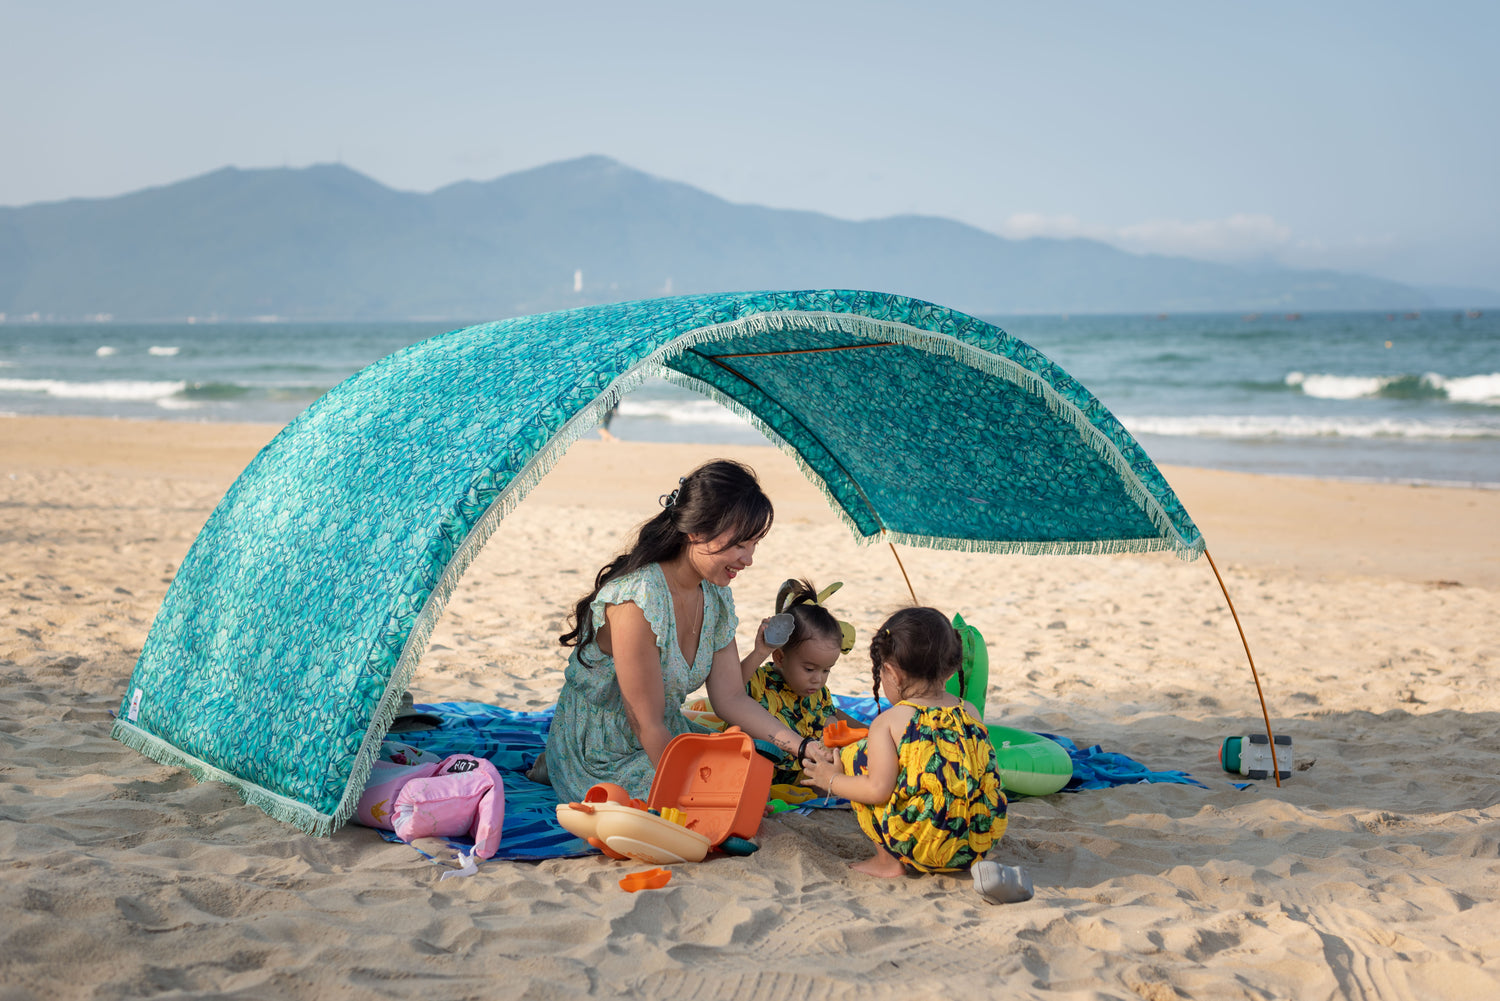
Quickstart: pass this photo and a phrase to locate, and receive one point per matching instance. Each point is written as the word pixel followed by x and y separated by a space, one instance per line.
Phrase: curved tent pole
pixel 909 588
pixel 1265 713
pixel 1275 765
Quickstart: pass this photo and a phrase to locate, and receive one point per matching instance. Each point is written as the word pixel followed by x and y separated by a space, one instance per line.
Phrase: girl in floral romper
pixel 923 782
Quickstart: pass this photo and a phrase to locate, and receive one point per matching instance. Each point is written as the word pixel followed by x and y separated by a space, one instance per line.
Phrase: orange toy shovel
pixel 838 733
pixel 651 879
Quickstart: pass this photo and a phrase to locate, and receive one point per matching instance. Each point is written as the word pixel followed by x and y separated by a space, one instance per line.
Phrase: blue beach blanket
pixel 511 740
pixel 1096 768
pixel 1093 767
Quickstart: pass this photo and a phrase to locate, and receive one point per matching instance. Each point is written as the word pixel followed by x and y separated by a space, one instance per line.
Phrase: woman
pixel 658 624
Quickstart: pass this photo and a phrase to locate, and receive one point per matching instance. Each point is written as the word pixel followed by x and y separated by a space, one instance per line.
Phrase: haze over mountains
pixel 326 242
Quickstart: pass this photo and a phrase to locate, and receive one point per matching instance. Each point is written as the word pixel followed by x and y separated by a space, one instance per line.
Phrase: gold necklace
pixel 694 640
pixel 679 606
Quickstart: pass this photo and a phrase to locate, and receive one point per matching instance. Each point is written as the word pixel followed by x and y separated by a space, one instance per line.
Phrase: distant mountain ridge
pixel 326 242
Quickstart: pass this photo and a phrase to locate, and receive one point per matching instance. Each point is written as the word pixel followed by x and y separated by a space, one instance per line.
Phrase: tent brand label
pixel 135 705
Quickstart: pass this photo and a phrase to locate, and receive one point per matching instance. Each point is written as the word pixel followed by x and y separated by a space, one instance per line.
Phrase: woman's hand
pixel 818 751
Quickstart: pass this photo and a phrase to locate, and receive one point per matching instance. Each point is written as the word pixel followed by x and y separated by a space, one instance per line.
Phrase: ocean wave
pixel 1474 388
pixel 704 412
pixel 196 393
pixel 1477 389
pixel 106 390
pixel 200 391
pixel 163 350
pixel 1245 426
pixel 292 394
pixel 678 411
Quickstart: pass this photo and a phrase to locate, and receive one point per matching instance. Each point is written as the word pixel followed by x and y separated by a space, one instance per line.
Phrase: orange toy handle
pixel 606 849
pixel 839 734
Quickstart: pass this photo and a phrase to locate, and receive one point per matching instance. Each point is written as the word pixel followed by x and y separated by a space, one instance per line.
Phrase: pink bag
pixel 465 795
pixel 377 804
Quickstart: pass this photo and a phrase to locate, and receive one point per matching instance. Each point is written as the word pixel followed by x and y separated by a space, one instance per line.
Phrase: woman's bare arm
pixel 638 670
pixel 726 690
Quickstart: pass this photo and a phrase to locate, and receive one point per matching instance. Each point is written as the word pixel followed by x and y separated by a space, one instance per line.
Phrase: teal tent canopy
pixel 277 660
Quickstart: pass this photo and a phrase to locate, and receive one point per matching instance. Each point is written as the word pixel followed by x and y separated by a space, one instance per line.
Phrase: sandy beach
pixel 1373 872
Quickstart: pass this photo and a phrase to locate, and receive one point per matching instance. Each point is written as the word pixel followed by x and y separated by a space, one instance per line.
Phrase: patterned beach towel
pixel 511 740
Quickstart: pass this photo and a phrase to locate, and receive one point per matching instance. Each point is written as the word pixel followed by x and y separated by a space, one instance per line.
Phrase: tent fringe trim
pixel 947 346
pixel 754 420
pixel 275 805
pixel 1035 547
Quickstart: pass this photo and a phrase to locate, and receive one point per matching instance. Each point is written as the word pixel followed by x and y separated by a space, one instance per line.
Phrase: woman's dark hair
pixel 809 619
pixel 923 642
pixel 718 497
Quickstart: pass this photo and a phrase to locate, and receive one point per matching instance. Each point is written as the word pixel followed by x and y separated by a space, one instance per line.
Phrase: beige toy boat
pixel 708 788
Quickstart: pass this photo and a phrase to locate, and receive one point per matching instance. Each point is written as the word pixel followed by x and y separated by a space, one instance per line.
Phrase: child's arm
pixel 759 650
pixel 879 781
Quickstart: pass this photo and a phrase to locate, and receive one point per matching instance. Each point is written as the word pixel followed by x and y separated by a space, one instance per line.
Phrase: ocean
pixel 1393 397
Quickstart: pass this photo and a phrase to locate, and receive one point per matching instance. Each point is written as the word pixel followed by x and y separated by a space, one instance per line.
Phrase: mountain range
pixel 328 243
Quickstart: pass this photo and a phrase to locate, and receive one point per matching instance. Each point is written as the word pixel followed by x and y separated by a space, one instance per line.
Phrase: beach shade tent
pixel 282 648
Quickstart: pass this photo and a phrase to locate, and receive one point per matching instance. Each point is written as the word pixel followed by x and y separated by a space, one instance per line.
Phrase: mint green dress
pixel 591 740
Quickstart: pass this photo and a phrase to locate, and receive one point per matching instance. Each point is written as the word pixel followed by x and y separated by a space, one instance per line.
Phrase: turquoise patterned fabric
pixel 279 654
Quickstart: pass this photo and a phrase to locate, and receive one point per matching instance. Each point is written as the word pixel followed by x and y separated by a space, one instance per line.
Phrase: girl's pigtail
pixel 801 600
pixel 879 648
pixel 790 589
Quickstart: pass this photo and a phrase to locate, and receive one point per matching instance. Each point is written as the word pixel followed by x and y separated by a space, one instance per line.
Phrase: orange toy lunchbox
pixel 708 787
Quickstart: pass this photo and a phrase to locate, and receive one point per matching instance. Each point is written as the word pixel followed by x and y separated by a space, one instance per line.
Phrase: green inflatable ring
pixel 1029 764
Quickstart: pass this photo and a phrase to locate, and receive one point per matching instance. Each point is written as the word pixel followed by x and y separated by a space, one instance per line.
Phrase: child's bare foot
pixel 882 864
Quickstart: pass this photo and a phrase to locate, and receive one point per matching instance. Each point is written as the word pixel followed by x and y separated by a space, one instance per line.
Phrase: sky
pixel 1363 137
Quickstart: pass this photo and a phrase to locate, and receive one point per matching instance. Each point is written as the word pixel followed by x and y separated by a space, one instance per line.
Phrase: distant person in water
pixel 658 624
pixel 609 415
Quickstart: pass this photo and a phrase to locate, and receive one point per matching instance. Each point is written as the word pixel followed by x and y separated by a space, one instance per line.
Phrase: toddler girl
pixel 923 782
pixel 793 684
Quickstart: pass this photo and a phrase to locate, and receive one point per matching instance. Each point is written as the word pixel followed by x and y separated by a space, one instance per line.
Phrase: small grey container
pixel 1001 884
pixel 779 630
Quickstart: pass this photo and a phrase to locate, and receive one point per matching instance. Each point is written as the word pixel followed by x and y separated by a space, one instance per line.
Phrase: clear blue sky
pixel 1360 136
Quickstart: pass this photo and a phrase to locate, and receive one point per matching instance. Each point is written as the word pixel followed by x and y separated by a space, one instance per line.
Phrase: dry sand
pixel 1374 872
